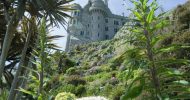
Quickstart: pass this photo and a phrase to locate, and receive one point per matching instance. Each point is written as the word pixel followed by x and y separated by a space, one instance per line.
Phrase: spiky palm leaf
pixel 53 10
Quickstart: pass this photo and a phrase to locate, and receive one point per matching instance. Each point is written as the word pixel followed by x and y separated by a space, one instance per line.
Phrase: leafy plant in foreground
pixel 153 76
pixel 36 79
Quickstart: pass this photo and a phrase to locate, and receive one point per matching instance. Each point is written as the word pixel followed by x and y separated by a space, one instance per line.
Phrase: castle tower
pixel 94 22
pixel 98 14
pixel 72 29
pixel 75 14
pixel 106 2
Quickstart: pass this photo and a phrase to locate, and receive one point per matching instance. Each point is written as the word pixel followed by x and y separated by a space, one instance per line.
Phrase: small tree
pixel 143 57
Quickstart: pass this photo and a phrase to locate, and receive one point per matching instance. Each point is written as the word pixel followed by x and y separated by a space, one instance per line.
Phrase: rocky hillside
pixel 99 69
pixel 97 54
pixel 98 72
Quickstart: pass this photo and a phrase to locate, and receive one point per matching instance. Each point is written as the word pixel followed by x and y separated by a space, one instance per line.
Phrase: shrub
pixel 94 70
pixel 71 71
pixel 106 68
pixel 63 88
pixel 52 82
pixel 65 96
pixel 113 81
pixel 122 75
pixel 75 80
pixel 80 90
pixel 93 90
pixel 117 92
pixel 85 65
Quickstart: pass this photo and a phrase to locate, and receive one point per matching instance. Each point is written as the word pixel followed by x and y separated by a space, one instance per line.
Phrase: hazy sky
pixel 117 7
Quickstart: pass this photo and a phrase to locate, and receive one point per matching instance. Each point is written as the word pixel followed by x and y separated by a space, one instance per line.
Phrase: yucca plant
pixel 149 74
pixel 29 27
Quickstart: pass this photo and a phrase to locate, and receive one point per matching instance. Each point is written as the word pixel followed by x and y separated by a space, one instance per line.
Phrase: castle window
pixel 78 14
pixel 88 33
pixel 81 32
pixel 98 34
pixel 123 23
pixel 115 30
pixel 92 17
pixel 106 20
pixel 116 22
pixel 107 37
pixel 88 25
pixel 106 29
pixel 75 12
pixel 98 17
pixel 74 21
pixel 98 25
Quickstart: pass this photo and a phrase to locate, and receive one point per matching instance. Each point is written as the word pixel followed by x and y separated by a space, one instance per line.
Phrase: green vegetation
pixel 148 60
pixel 65 96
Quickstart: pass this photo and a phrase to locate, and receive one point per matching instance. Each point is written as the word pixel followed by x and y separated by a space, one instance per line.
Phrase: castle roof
pixel 99 4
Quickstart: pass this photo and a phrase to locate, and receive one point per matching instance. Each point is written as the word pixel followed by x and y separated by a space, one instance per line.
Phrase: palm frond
pixel 53 10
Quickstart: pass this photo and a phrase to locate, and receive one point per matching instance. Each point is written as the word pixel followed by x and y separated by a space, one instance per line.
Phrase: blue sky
pixel 117 7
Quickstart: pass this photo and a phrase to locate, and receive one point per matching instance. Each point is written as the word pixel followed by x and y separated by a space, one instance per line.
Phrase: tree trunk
pixel 41 82
pixel 41 74
pixel 16 77
pixel 24 72
pixel 23 85
pixel 7 42
pixel 153 71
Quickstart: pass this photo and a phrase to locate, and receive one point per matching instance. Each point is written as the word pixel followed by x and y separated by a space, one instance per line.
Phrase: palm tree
pixel 15 81
pixel 52 10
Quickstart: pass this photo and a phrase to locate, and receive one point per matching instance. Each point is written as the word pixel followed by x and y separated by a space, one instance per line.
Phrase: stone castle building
pixel 94 22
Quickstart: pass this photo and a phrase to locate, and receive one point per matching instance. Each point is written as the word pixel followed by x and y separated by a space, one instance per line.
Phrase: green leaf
pixel 172 61
pixel 162 24
pixel 27 92
pixel 181 96
pixel 135 3
pixel 170 48
pixel 183 82
pixel 138 15
pixel 150 16
pixel 145 4
pixel 40 97
pixel 134 91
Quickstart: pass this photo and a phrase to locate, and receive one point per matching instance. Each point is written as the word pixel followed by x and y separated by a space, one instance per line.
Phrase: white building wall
pixel 97 24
